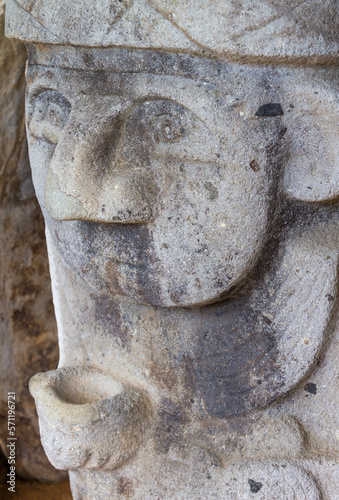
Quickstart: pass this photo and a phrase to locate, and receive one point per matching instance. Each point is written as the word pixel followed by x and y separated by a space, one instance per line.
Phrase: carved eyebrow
pixel 109 59
pixel 34 91
pixel 41 75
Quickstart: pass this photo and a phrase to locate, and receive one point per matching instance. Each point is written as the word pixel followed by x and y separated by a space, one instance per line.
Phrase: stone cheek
pixel 192 228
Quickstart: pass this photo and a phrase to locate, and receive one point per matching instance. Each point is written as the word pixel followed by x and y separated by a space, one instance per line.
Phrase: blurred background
pixel 28 335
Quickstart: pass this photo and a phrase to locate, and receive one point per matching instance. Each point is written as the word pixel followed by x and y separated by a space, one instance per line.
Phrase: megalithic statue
pixel 184 155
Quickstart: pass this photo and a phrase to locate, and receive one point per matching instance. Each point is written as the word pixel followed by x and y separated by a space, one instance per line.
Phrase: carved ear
pixel 312 169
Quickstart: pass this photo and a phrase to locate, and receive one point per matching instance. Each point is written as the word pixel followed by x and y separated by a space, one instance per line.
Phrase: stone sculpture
pixel 184 155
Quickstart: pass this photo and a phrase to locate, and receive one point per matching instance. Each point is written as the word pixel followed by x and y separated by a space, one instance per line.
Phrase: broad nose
pixel 90 177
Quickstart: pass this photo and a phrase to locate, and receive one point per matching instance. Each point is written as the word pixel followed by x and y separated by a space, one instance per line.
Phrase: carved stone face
pixel 143 177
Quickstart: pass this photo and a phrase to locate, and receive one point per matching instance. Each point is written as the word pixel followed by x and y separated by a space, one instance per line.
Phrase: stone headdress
pixel 264 31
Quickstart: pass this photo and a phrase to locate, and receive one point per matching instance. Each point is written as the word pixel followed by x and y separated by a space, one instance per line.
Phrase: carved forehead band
pixel 269 31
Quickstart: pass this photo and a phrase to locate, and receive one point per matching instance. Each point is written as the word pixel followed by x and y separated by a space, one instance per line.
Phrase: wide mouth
pixel 85 387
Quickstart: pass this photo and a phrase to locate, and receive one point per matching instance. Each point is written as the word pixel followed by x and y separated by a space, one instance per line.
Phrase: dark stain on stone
pixel 125 487
pixel 163 373
pixel 202 248
pixel 270 109
pixel 220 312
pixel 123 249
pixel 188 372
pixel 212 191
pixel 267 320
pixel 254 486
pixel 255 166
pixel 169 431
pixel 282 132
pixel 177 291
pixel 107 314
pixel 230 357
pixel 311 388
pixel 88 60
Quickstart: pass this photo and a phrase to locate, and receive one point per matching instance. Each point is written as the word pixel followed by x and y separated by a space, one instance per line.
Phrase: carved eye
pixel 168 128
pixel 49 116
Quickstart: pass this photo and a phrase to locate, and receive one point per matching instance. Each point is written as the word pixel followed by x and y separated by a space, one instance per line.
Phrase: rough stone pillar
pixel 185 158
pixel 27 324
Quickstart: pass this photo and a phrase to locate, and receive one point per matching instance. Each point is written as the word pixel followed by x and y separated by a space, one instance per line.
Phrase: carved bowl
pixel 87 418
